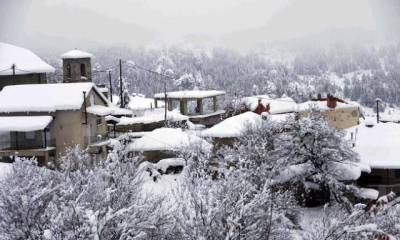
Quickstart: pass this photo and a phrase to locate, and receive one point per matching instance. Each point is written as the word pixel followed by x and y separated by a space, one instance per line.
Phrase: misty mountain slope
pixel 361 74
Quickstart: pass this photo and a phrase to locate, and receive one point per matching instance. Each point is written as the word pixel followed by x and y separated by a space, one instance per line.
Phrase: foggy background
pixel 52 26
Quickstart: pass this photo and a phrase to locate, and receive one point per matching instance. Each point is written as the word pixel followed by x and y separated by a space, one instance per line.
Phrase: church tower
pixel 77 66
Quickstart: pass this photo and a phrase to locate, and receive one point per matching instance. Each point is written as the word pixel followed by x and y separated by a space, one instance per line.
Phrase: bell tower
pixel 77 66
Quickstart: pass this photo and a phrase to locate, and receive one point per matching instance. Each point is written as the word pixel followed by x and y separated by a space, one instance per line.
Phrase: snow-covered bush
pixel 318 157
pixel 228 204
pixel 94 201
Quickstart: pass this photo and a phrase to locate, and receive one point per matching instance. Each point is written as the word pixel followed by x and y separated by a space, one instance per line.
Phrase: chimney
pixel 331 101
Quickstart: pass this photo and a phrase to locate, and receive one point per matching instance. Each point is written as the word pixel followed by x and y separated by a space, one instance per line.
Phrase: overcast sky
pixel 148 21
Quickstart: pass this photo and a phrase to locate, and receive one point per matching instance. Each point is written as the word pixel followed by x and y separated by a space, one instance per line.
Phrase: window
pixel 83 70
pixel 98 120
pixel 397 173
pixel 29 135
pixel 69 74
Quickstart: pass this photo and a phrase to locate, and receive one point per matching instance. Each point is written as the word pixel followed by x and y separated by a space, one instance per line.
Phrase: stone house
pixel 43 120
pixel 204 111
pixel 339 113
pixel 21 66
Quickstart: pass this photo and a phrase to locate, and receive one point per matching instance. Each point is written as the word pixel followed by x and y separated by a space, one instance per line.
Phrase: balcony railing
pixel 7 144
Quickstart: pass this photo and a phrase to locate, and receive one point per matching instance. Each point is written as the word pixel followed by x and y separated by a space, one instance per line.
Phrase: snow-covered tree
pixel 96 200
pixel 226 203
pixel 317 157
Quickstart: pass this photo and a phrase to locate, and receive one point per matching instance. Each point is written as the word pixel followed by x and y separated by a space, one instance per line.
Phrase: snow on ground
pixel 24 123
pixel 25 61
pixel 379 146
pixel 5 168
pixel 155 115
pixel 233 126
pixel 167 139
pixel 161 185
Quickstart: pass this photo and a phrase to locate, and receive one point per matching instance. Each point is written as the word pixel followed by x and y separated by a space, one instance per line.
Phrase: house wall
pixel 71 127
pixel 341 118
pixel 76 70
pixel 68 127
pixel 36 78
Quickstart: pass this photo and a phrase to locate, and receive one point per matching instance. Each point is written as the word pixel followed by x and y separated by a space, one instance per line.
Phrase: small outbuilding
pixel 198 113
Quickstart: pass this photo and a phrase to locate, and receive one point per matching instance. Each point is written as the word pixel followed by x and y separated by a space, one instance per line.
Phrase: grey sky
pixel 150 21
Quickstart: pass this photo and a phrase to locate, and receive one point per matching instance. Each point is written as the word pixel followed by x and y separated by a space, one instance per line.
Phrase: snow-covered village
pixel 197 120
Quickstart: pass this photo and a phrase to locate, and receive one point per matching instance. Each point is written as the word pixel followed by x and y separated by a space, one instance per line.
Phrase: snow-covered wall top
pixel 24 123
pixel 194 94
pixel 142 103
pixel 43 97
pixel 322 105
pixel 277 105
pixel 25 61
pixel 74 54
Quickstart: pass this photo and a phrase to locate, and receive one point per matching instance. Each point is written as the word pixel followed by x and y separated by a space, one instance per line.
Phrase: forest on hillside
pixel 360 73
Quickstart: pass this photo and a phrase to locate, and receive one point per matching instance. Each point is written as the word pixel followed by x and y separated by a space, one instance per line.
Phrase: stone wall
pixel 76 74
pixel 36 78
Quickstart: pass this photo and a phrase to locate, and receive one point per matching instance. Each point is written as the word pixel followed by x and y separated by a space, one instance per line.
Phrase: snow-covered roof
pixel 74 54
pixel 24 123
pixel 234 126
pixel 277 105
pixel 45 97
pixel 157 115
pixel 25 61
pixel 378 146
pixel 171 139
pixel 193 94
pixel 139 102
pixel 99 110
pixel 322 105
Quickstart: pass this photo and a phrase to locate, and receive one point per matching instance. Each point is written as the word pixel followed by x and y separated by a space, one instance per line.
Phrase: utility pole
pixel 165 102
pixel 377 109
pixel 13 70
pixel 120 84
pixel 110 83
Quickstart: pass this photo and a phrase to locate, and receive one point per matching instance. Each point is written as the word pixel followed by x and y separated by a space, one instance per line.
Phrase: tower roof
pixel 75 54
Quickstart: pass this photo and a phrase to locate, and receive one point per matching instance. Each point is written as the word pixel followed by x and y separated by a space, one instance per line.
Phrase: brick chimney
pixel 331 101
